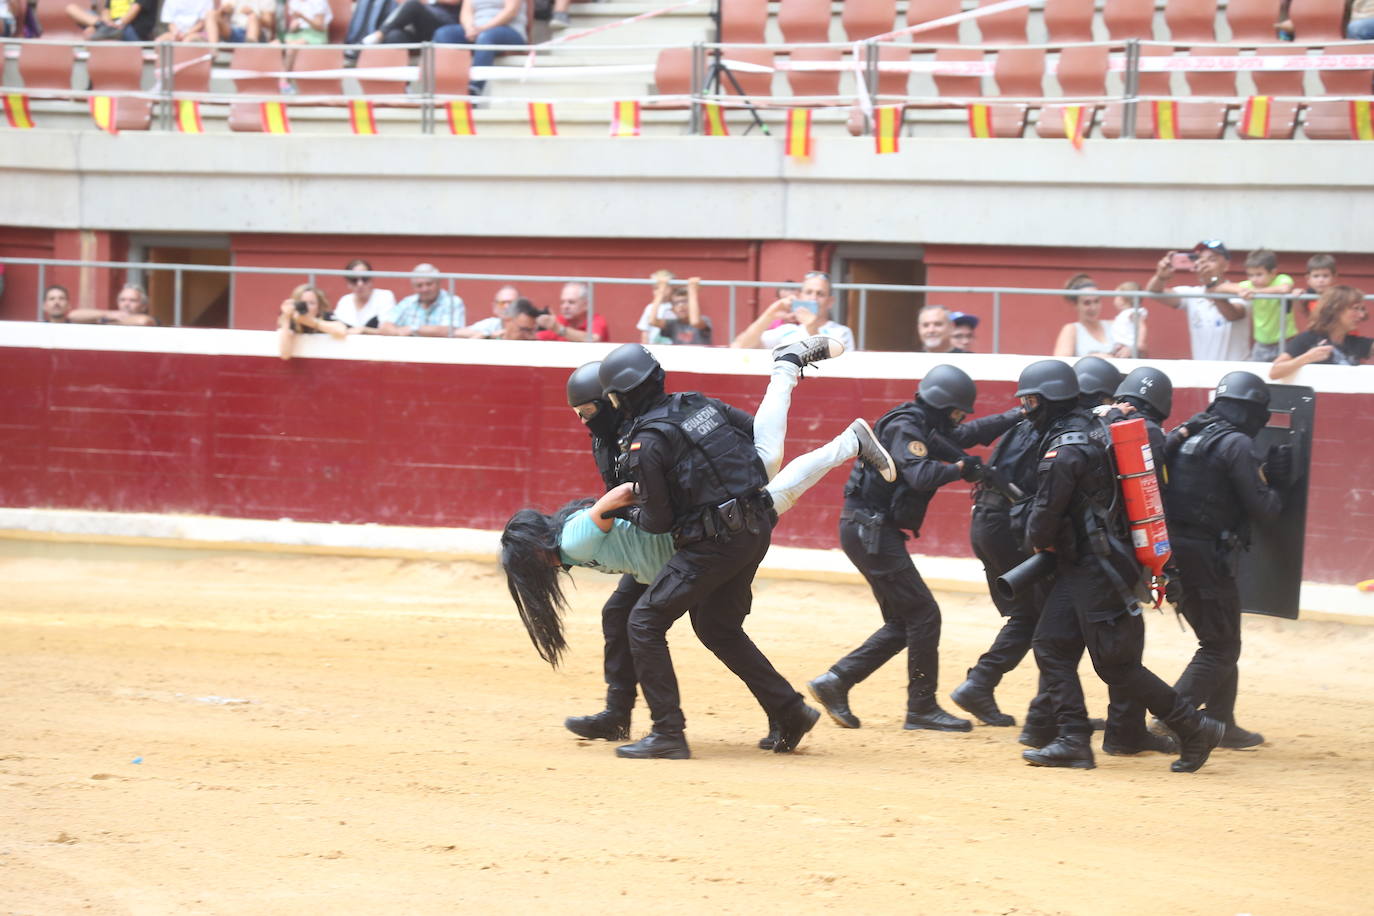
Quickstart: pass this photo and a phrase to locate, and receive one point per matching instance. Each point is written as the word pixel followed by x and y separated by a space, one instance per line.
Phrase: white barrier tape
pixel 386 74
pixel 1150 64
pixel 583 33
pixel 932 24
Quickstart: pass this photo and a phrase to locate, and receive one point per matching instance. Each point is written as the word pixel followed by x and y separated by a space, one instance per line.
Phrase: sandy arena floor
pixel 194 733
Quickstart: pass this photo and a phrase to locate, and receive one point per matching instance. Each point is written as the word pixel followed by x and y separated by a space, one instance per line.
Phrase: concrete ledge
pixel 1319 601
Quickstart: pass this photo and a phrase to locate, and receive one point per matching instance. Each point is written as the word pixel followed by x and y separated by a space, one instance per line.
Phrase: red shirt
pixel 599 328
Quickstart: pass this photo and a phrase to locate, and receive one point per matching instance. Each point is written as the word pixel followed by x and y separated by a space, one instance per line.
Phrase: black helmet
pixel 626 368
pixel 946 386
pixel 584 385
pixel 1243 386
pixel 1151 386
pixel 1096 376
pixel 1052 379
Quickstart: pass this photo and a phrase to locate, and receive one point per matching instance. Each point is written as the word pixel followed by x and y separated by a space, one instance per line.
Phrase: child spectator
pixel 248 20
pixel 1269 316
pixel 687 326
pixel 1128 327
pixel 189 20
pixel 1321 276
pixel 1331 339
pixel 660 307
pixel 963 327
pixel 307 22
pixel 306 312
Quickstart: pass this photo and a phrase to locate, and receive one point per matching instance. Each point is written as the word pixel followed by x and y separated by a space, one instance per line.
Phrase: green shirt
pixel 1266 312
pixel 623 549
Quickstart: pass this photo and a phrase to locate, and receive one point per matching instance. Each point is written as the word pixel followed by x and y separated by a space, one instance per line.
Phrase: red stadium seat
pixel 1069 20
pixel 1018 72
pixel 815 82
pixel 1318 20
pixel 1006 27
pixel 868 18
pixel 754 84
pixel 46 66
pixel 1207 120
pixel 743 21
pixel 1332 120
pixel 308 58
pixel 381 56
pixel 804 21
pixel 119 67
pixel 53 21
pixel 191 69
pixel 1252 20
pixel 1151 84
pixel 919 11
pixel 1283 116
pixel 894 82
pixel 1191 20
pixel 1082 73
pixel 247 116
pixel 951 85
pixel 673 73
pixel 1129 18
pixel 452 66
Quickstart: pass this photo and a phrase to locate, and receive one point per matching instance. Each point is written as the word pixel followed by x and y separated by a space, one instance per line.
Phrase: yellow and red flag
pixel 625 119
pixel 887 123
pixel 979 121
pixel 715 121
pixel 105 113
pixel 542 123
pixel 188 117
pixel 1075 124
pixel 361 117
pixel 274 119
pixel 1254 118
pixel 1361 122
pixel 17 111
pixel 460 122
pixel 799 133
pixel 1166 119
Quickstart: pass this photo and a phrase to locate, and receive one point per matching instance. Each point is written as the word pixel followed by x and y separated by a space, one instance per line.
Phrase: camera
pixel 301 307
pixel 1182 260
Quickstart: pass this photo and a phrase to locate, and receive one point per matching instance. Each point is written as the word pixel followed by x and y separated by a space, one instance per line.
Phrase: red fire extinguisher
pixel 1135 468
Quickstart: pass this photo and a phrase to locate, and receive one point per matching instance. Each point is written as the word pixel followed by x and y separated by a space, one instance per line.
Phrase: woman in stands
pixel 365 306
pixel 1088 335
pixel 306 312
pixel 1331 338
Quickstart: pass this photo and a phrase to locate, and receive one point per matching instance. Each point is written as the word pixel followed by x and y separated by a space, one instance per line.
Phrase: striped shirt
pixel 447 310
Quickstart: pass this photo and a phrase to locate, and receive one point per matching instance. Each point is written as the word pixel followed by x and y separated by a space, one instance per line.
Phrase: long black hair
pixel 529 555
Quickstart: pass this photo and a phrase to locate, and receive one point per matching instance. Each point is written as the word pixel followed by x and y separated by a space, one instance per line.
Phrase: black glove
pixel 972 470
pixel 1197 423
pixel 1278 466
pixel 1173 588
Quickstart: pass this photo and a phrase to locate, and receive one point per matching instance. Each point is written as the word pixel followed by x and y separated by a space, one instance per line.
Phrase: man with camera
pixel 793 318
pixel 1216 327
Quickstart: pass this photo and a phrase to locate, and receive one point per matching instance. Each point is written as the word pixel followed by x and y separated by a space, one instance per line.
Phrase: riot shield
pixel 1270 574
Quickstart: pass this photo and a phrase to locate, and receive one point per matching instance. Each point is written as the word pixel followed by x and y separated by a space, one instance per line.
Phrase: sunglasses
pixel 815 273
pixel 354 281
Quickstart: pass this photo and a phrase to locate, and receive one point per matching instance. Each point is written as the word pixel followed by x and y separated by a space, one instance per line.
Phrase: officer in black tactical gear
pixel 1097 381
pixel 871 533
pixel 1077 515
pixel 602 420
pixel 1217 488
pixel 699 476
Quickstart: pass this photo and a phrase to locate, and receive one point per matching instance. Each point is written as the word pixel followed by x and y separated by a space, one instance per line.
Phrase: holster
pixel 868 524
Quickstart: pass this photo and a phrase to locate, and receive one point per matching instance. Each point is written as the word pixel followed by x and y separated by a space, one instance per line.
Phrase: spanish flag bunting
pixel 1254 118
pixel 1166 119
pixel 188 117
pixel 715 121
pixel 1361 123
pixel 979 121
pixel 361 117
pixel 887 121
pixel 460 122
pixel 1075 124
pixel 799 133
pixel 274 119
pixel 17 111
pixel 105 111
pixel 542 123
pixel 625 119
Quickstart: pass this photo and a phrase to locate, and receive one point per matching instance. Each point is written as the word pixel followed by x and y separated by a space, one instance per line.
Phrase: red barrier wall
pixel 439 444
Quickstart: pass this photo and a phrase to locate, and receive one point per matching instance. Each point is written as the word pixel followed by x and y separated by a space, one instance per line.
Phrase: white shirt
pixel 487 327
pixel 1123 325
pixel 1213 335
pixel 377 306
pixel 185 13
pixel 791 333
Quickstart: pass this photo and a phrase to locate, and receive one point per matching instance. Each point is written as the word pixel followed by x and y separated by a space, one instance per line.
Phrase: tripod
pixel 718 69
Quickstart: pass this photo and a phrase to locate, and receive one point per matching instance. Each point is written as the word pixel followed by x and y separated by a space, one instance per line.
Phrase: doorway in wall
pixel 881 319
pixel 202 300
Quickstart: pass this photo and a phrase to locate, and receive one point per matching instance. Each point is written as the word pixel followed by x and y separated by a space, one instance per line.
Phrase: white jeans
pixel 770 431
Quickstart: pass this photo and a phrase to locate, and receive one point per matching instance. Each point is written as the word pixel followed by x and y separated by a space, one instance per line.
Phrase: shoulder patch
pixel 634 446
pixel 1051 453
pixel 917 448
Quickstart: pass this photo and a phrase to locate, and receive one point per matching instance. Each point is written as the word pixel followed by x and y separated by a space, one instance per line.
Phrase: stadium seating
pixel 1129 18
pixel 381 56
pixel 190 69
pixel 247 116
pixel 46 66
pixel 1207 120
pixel 815 82
pixel 752 83
pixel 673 73
pixel 1018 72
pixel 1283 116
pixel 1318 20
pixel 308 58
pixel 1082 73
pixel 868 18
pixel 1069 20
pixel 118 67
pixel 893 82
pixel 1151 84
pixel 1191 20
pixel 1006 27
pixel 1252 20
pixel 802 21
pixel 452 66
pixel 54 23
pixel 743 21
pixel 919 11
pixel 951 85
pixel 341 12
pixel 1332 120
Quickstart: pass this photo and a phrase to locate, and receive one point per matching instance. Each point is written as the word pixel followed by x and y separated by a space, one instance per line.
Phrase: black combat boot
pixel 1070 751
pixel 610 724
pixel 793 726
pixel 1196 743
pixel 832 693
pixel 1145 742
pixel 654 745
pixel 975 696
pixel 927 714
pixel 767 741
pixel 1238 739
pixel 1038 735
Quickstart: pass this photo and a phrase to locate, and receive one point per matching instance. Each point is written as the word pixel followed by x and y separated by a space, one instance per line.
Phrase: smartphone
pixel 807 304
pixel 1182 260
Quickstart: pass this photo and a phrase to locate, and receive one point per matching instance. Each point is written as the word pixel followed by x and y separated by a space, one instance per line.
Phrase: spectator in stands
pixel 1331 339
pixel 57 304
pixel 688 325
pixel 495 324
pixel 486 23
pixel 794 318
pixel 1216 327
pixel 189 20
pixel 1261 271
pixel 963 326
pixel 306 312
pixel 429 312
pixel 571 321
pixel 522 321
pixel 1086 335
pixel 936 330
pixel 1361 24
pixel 307 23
pixel 364 307
pixel 560 19
pixel 414 21
pixel 11 18
pixel 108 20
pixel 1321 275
pixel 131 309
pixel 248 20
pixel 660 306
pixel 1128 327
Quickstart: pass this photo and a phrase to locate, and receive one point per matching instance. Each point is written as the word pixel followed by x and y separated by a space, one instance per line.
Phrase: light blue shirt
pixel 623 549
pixel 447 310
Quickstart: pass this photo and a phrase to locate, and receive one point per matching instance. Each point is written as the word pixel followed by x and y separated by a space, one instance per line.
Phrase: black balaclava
pixel 1246 416
pixel 1143 406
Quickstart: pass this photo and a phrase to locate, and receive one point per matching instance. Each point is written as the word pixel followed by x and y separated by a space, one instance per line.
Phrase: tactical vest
pixel 709 461
pixel 1017 456
pixel 1200 495
pixel 606 454
pixel 903 506
pixel 1096 509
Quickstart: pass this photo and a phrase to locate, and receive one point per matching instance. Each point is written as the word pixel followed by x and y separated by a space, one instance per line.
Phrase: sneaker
pixel 871 451
pixel 808 351
pixel 559 21
pixel 372 38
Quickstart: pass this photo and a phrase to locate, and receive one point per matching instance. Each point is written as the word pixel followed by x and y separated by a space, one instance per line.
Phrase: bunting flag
pixel 1361 122
pixel 460 122
pixel 17 111
pixel 542 123
pixel 625 119
pixel 274 119
pixel 715 121
pixel 799 133
pixel 188 117
pixel 887 122
pixel 1254 118
pixel 1166 119
pixel 1075 124
pixel 979 121
pixel 361 117
pixel 105 111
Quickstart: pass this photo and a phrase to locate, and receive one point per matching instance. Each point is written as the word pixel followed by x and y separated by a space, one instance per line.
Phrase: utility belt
pixel 992 501
pixel 868 523
pixel 753 513
pixel 1225 540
